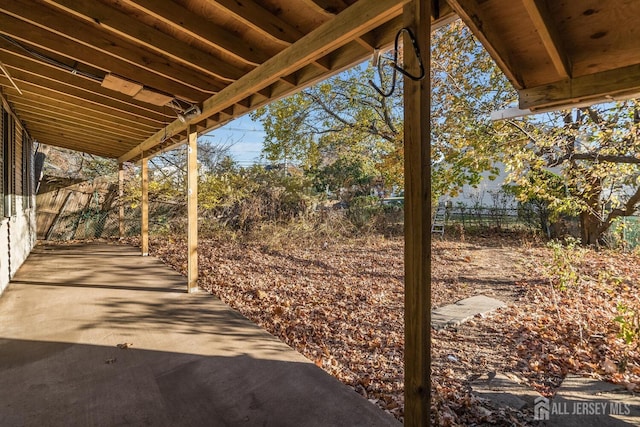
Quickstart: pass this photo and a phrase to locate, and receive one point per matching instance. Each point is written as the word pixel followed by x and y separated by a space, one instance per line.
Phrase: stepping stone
pixel 586 402
pixel 463 310
pixel 504 391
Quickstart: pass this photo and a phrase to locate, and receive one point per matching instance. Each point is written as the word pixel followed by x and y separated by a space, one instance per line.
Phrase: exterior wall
pixel 18 223
pixel 17 238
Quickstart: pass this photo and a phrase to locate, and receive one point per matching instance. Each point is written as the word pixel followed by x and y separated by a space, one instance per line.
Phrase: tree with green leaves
pixel 345 121
pixel 338 125
pixel 595 151
pixel 466 87
pixel 592 151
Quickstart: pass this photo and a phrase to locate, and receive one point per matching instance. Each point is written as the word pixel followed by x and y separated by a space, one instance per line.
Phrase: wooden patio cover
pixel 110 76
pixel 115 77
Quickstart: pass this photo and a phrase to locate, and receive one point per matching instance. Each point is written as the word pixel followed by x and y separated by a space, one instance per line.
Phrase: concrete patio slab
pixel 588 402
pixel 503 390
pixel 463 310
pixel 95 335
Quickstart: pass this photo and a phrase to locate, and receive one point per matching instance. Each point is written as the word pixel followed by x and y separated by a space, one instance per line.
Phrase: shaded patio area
pixel 96 335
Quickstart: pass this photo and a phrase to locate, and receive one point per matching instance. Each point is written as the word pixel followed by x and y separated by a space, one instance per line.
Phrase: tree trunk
pixel 590 229
pixel 592 224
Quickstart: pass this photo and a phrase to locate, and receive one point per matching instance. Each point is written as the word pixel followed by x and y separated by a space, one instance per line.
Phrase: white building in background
pixel 486 193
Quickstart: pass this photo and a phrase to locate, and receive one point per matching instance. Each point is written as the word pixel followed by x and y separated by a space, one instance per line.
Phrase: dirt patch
pixel 464 269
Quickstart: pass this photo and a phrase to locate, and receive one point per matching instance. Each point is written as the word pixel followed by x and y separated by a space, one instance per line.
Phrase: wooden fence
pixel 73 209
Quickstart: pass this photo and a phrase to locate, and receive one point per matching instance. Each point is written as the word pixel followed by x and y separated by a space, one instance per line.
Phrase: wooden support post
pixel 121 199
pixel 417 178
pixel 144 206
pixel 192 209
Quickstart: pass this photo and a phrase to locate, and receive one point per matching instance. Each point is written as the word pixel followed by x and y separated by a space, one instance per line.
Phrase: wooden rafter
pixel 151 38
pixel 90 92
pixel 330 7
pixel 84 113
pixel 260 19
pixel 471 13
pixel 614 84
pixel 51 32
pixel 543 24
pixel 201 29
pixel 354 21
pixel 43 93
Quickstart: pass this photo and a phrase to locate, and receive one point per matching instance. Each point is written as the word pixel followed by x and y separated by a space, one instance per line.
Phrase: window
pixel 26 171
pixel 2 168
pixel 8 164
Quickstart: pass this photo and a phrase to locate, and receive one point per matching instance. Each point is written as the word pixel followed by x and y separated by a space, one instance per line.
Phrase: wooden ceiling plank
pixel 605 86
pixel 471 13
pixel 290 79
pixel 80 134
pixel 26 113
pixel 261 19
pixel 86 132
pixel 128 27
pixel 81 113
pixel 324 63
pixel 74 102
pixel 80 42
pixel 79 145
pixel 122 85
pixel 547 30
pixel 84 97
pixel 327 7
pixel 76 83
pixel 201 29
pixel 358 19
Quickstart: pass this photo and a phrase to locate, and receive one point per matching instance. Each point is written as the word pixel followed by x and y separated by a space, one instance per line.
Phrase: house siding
pixel 17 224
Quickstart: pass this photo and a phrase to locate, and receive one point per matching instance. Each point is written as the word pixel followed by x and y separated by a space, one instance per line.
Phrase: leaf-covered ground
pixel 340 303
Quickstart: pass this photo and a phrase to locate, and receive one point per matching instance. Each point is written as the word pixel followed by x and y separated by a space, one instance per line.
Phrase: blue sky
pixel 245 137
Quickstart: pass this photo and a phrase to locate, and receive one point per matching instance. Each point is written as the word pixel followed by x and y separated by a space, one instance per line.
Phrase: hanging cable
pixel 396 67
pixel 51 61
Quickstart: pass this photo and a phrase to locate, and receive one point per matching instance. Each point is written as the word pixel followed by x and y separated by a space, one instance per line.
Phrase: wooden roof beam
pixel 605 86
pixel 80 145
pixel 79 42
pixel 128 27
pixel 358 19
pixel 56 117
pixel 471 13
pixel 40 85
pixel 78 112
pixel 548 32
pixel 201 29
pixel 75 103
pixel 86 89
pixel 260 19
